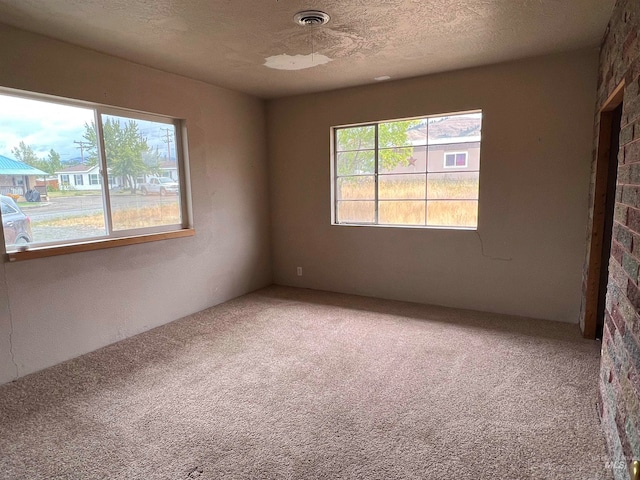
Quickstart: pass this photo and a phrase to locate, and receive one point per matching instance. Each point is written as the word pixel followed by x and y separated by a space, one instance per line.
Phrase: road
pixel 78 206
pixel 62 207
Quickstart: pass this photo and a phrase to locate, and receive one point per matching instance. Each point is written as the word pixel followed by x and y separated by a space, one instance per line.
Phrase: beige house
pixel 16 178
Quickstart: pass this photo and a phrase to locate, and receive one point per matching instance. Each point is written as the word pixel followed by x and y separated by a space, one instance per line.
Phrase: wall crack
pixel 11 351
pixel 501 259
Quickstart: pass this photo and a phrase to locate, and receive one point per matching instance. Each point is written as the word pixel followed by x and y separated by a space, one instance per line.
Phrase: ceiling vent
pixel 311 18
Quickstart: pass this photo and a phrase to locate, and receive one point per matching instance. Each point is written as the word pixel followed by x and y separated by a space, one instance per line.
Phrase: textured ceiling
pixel 228 42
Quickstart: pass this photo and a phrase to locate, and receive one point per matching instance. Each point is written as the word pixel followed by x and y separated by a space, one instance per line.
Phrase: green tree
pixel 25 154
pixel 358 144
pixel 91 138
pixel 125 148
pixel 152 159
pixel 53 162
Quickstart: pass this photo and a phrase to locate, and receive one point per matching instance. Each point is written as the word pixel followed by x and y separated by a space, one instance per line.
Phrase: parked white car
pixel 159 185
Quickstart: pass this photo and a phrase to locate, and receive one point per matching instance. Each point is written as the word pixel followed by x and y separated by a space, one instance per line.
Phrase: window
pixel 55 136
pixel 8 209
pixel 400 173
pixel 455 160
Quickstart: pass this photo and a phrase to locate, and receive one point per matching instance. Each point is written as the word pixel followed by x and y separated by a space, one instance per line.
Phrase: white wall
pixel 526 257
pixel 61 307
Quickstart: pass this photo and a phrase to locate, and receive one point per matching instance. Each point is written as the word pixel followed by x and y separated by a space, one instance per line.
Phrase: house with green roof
pixel 17 177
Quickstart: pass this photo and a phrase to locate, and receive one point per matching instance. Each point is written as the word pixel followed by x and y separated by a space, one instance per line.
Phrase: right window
pixel 421 172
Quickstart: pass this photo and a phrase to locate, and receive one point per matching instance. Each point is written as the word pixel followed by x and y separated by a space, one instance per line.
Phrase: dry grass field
pixel 449 201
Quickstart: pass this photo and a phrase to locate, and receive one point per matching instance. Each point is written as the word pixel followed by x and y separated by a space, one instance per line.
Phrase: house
pixel 259 164
pixel 83 177
pixel 16 177
pixel 453 146
pixel 169 169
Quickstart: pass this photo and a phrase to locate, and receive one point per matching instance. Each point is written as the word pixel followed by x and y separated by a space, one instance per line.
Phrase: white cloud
pixel 41 125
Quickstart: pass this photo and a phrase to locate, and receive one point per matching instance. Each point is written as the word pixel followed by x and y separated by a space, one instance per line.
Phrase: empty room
pixel 282 239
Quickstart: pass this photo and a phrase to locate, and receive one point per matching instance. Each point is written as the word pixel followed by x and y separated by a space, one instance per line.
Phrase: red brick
pixel 631 109
pixel 635 245
pixel 621 212
pixel 624 174
pixel 618 275
pixel 633 175
pixel 626 134
pixel 631 196
pixel 632 152
pixel 633 219
pixel 616 251
pixel 618 321
pixel 634 378
pixel 622 236
pixel 633 294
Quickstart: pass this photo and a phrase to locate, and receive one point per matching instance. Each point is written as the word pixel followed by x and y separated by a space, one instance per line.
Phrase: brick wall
pixel 619 402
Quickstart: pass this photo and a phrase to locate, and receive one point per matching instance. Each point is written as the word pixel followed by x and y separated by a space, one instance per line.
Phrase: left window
pixel 72 172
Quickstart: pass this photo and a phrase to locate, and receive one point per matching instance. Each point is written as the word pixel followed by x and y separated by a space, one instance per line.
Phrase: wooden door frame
pixel 603 155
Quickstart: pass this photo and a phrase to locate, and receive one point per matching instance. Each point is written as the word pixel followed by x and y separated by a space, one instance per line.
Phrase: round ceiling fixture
pixel 311 18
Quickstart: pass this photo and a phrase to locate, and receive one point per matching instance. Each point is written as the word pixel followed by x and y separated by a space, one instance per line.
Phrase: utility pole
pixel 168 132
pixel 82 146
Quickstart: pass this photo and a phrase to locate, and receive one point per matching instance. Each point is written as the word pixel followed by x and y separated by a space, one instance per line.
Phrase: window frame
pixel 113 238
pixel 376 223
pixel 454 166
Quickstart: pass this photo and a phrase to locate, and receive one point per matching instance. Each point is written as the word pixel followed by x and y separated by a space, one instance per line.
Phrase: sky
pixel 45 125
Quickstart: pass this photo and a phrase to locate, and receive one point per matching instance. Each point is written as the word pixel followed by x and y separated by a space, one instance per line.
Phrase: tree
pixel 91 137
pixel 125 149
pixel 358 144
pixel 25 154
pixel 53 161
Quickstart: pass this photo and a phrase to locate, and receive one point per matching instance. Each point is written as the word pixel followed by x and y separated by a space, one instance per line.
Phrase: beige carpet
pixel 296 384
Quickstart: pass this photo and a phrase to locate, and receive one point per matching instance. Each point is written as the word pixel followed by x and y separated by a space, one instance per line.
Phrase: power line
pixel 168 140
pixel 82 146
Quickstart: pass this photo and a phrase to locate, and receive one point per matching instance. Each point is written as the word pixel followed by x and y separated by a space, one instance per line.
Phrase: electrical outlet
pixel 299 271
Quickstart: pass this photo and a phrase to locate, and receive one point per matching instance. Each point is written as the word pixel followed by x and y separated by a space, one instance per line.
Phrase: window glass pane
pixel 403 160
pixel 142 166
pixel 402 187
pixel 41 144
pixel 455 213
pixel 7 209
pixel 455 128
pixel 356 188
pixel 356 162
pixel 401 213
pixel 402 133
pixel 356 138
pixel 453 185
pixel 356 212
pixel 449 160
